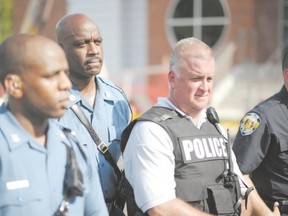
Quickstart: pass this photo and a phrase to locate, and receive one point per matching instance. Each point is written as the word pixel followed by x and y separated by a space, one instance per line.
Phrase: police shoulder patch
pixel 249 123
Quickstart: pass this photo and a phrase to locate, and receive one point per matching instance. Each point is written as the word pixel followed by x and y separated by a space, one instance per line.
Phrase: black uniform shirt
pixel 261 146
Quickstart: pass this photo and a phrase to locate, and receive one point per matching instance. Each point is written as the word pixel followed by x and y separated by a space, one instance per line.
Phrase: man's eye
pixel 98 42
pixel 80 44
pixel 196 79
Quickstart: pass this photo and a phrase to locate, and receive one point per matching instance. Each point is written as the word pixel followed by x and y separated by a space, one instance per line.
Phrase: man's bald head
pixel 21 52
pixel 70 24
pixel 81 40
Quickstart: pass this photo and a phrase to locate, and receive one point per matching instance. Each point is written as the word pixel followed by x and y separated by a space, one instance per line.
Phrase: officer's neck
pixel 88 88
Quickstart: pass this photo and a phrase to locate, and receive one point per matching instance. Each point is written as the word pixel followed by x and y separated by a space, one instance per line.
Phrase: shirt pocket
pixel 20 202
pixel 114 133
pixel 282 159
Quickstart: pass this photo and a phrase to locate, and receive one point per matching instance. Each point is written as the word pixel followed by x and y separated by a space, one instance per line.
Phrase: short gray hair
pixel 191 44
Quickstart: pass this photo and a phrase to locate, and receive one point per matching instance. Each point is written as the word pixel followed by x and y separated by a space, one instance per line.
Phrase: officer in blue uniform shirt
pixel 103 103
pixel 34 152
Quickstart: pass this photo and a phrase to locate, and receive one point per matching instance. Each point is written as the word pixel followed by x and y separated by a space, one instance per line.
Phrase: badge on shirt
pixel 107 94
pixel 249 123
pixel 13 185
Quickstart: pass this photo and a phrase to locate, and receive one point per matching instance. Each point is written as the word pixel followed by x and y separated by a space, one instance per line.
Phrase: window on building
pixel 285 23
pixel 204 19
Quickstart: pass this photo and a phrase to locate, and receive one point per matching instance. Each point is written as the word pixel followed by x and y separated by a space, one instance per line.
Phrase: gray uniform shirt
pixel 261 146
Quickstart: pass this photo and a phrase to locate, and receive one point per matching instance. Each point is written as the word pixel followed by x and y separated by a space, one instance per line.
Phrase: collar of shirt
pixel 16 135
pixel 102 93
pixel 284 94
pixel 165 102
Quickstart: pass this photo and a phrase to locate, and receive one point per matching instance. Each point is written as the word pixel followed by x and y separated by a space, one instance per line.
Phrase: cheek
pixel 182 91
pixel 76 57
pixel 191 87
pixel 46 89
pixel 210 87
pixel 45 96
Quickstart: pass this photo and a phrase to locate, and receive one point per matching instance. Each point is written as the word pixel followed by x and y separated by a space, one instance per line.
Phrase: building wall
pixel 123 25
pixel 19 14
pixel 57 11
pixel 137 47
pixel 159 47
pixel 268 19
pixel 254 30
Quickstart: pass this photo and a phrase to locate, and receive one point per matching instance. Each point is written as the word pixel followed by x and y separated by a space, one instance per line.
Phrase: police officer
pixel 103 103
pixel 175 159
pixel 35 154
pixel 261 146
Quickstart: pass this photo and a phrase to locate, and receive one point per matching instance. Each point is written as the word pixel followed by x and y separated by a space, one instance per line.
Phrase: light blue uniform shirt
pixel 109 117
pixel 31 176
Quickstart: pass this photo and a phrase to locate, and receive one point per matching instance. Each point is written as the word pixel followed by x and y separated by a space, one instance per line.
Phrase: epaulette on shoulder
pixel 159 114
pixel 65 129
pixel 266 105
pixel 71 137
pixel 111 84
pixel 70 134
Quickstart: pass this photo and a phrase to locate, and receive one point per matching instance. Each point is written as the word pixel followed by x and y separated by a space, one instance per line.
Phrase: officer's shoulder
pixel 268 105
pixel 110 84
pixel 68 133
pixel 71 137
pixel 66 130
pixel 59 126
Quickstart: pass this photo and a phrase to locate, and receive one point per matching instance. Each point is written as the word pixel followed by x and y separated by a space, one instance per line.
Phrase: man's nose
pixel 93 49
pixel 65 83
pixel 204 85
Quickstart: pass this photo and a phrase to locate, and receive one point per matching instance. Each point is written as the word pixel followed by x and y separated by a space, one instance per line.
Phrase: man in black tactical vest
pixel 178 161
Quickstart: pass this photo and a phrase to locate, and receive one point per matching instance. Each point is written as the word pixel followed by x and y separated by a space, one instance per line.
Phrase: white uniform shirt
pixel 149 161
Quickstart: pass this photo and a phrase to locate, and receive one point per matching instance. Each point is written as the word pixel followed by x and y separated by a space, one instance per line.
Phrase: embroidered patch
pixel 249 123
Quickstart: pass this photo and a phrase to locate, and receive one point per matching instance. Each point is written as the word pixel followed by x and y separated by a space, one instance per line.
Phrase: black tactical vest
pixel 200 163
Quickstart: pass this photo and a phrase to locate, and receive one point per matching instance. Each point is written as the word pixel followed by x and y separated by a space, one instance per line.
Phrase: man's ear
pixel 13 85
pixel 285 74
pixel 171 79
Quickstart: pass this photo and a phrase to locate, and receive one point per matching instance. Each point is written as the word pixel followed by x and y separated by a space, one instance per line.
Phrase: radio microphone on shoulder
pixel 213 118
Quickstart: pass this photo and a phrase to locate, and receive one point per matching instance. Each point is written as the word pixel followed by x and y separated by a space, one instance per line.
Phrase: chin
pixel 202 106
pixel 93 71
pixel 97 72
pixel 57 114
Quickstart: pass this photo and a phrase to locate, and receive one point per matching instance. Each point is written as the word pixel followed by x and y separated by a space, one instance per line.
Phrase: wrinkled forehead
pixel 199 63
pixel 77 31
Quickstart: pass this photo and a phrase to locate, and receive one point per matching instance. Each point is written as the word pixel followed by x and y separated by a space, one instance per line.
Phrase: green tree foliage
pixel 6 18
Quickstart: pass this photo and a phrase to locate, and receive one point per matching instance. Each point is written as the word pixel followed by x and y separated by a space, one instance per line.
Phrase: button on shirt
pixel 110 115
pixel 32 176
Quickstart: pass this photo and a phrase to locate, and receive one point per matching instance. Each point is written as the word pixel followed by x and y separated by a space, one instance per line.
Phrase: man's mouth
pixel 94 61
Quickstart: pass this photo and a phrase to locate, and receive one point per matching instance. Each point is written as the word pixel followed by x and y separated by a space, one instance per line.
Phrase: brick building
pixel 247 37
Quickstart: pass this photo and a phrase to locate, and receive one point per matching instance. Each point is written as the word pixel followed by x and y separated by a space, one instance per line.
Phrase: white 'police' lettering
pixel 203 148
pixel 188 148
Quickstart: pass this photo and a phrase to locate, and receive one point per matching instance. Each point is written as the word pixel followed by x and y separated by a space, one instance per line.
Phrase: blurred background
pixel 247 36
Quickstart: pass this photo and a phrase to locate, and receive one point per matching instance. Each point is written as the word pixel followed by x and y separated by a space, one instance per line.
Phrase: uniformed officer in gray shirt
pixel 261 147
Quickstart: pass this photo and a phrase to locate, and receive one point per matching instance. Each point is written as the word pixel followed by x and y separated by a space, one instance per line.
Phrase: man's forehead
pixel 77 28
pixel 82 33
pixel 199 65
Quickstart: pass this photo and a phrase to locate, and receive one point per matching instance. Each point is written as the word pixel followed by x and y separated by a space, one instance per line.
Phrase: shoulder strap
pixel 102 147
pixel 231 169
pixel 73 179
